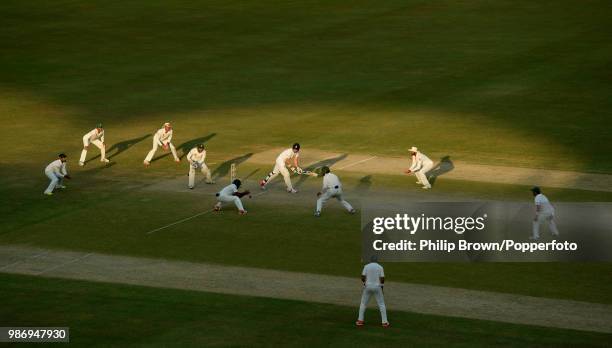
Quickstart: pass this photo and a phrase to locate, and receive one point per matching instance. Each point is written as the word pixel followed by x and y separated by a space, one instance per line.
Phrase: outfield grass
pixel 113 217
pixel 100 314
pixel 504 82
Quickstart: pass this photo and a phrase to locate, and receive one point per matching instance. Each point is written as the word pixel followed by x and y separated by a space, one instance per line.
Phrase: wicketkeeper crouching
pixel 230 194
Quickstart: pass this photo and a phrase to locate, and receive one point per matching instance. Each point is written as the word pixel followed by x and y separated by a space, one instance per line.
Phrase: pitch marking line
pixel 358 162
pixel 193 217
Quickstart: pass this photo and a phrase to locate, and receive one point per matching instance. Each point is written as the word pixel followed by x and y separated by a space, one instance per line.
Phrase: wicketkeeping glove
pixel 196 165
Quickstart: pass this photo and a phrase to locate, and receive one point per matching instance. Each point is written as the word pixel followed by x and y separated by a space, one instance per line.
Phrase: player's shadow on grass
pixel 364 184
pixel 223 169
pixel 444 166
pixel 119 147
pixel 187 146
pixel 316 166
pixel 183 149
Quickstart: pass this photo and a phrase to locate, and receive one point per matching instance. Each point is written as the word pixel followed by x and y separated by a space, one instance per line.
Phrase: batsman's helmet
pixel 99 125
pixel 237 183
pixel 325 170
pixel 201 146
pixel 296 146
pixel 536 190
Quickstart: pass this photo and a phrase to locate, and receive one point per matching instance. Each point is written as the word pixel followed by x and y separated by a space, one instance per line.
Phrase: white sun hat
pixel 413 149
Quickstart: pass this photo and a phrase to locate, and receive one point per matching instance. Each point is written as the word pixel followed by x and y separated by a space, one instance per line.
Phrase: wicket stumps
pixel 232 172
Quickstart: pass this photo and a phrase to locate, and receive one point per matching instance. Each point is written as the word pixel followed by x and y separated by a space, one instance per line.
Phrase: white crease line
pixel 352 164
pixel 65 263
pixel 20 261
pixel 193 217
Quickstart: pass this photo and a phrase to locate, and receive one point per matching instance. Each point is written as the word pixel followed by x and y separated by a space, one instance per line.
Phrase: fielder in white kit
pixel 56 172
pixel 230 194
pixel 373 279
pixel 285 157
pixel 163 138
pixel 421 164
pixel 544 212
pixel 196 158
pixel 96 137
pixel 332 188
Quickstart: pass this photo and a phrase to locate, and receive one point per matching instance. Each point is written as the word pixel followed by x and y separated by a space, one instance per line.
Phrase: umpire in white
pixel 373 279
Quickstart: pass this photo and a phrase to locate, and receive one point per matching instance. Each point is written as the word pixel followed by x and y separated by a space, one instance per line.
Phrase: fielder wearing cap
pixel 421 164
pixel 56 171
pixel 373 279
pixel 544 212
pixel 332 188
pixel 96 137
pixel 196 158
pixel 163 138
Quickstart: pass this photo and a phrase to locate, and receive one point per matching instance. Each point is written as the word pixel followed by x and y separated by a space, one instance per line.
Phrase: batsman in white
pixel 373 279
pixel 285 158
pixel 544 212
pixel 163 138
pixel 230 194
pixel 56 172
pixel 421 164
pixel 96 137
pixel 332 188
pixel 196 158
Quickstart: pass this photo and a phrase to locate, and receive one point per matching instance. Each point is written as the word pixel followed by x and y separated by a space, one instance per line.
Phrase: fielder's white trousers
pixel 368 291
pixel 282 169
pixel 421 174
pixel 335 193
pixel 154 149
pixel 192 172
pixel 56 180
pixel 550 219
pixel 229 199
pixel 99 145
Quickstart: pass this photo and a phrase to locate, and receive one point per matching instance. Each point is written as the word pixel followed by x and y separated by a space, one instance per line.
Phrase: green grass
pixel 504 82
pixel 101 314
pixel 113 217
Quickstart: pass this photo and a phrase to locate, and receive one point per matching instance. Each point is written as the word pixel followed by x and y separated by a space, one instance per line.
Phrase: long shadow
pixel 315 166
pixel 444 166
pixel 224 168
pixel 188 145
pixel 119 147
pixel 364 184
pixel 124 145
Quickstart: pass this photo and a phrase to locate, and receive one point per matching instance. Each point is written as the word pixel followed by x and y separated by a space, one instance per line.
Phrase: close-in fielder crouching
pixel 230 194
pixel 373 279
pixel 56 172
pixel 544 212
pixel 332 188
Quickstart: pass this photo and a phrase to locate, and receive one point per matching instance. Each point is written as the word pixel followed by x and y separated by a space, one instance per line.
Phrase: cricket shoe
pixel 106 160
pixel 177 160
pixel 534 238
pixel 217 208
pixel 317 213
pixel 386 325
pixel 60 186
pixel 210 182
pixel 352 211
pixel 262 184
pixel 242 212
pixel 359 322
pixel 190 187
pixel 48 193
pixel 292 190
pixel 146 163
pixel 426 187
pixel 81 164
